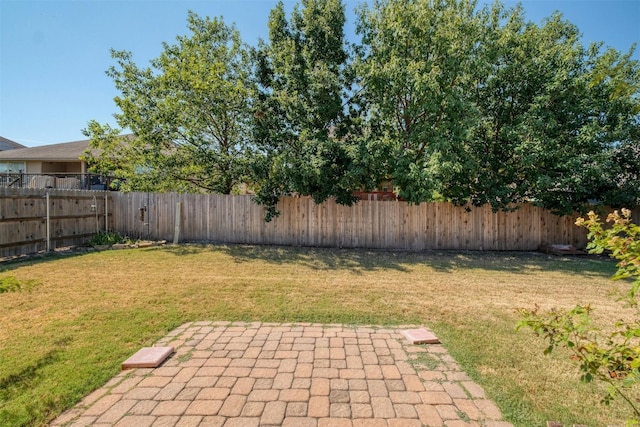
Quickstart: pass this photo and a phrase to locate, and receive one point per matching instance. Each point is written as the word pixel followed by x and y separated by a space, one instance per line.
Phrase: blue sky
pixel 54 53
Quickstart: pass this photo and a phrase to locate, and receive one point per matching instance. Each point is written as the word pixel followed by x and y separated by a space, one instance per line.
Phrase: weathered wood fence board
pixel 72 219
pixel 236 219
pixel 367 224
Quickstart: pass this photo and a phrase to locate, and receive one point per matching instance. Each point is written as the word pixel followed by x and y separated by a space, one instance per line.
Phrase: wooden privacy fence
pixel 33 220
pixel 367 224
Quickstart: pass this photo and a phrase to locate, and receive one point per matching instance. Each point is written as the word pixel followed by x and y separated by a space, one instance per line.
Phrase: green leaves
pixel 310 142
pixel 622 240
pixel 449 100
pixel 482 107
pixel 611 356
pixel 189 112
pixel 11 284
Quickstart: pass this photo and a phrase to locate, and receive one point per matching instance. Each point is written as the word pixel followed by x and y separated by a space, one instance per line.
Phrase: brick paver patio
pixel 265 374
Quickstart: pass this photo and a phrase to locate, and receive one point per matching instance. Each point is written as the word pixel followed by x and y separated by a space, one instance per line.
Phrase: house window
pixel 12 167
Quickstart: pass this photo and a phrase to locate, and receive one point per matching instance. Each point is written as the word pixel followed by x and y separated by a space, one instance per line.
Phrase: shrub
pixel 609 357
pixel 11 284
pixel 106 238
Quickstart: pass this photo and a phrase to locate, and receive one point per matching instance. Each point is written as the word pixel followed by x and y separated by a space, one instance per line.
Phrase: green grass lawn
pixel 81 315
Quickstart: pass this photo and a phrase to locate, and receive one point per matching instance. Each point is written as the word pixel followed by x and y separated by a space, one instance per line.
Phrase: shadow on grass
pixel 353 260
pixel 521 262
pixel 404 261
pixel 15 384
pixel 356 260
pixel 9 264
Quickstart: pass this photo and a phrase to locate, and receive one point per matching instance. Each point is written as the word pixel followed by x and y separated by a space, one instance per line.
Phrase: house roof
pixel 67 151
pixel 7 144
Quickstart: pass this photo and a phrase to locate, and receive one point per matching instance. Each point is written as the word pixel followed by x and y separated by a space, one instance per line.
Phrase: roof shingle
pixel 67 151
pixel 7 144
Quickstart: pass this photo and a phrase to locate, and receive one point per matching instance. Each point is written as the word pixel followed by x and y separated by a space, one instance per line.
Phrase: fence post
pixel 106 214
pixel 48 222
pixel 176 229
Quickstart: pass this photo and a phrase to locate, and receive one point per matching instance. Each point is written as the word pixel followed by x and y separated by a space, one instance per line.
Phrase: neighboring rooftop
pixel 7 144
pixel 54 152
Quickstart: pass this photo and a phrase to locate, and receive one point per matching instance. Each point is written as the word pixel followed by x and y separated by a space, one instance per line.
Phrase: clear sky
pixel 54 53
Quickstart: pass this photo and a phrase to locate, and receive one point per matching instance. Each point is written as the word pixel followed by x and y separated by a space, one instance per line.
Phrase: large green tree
pixel 305 126
pixel 476 105
pixel 417 63
pixel 189 114
pixel 555 120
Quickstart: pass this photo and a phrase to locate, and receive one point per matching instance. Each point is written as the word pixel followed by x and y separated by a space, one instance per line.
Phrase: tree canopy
pixel 479 106
pixel 448 100
pixel 189 113
pixel 304 128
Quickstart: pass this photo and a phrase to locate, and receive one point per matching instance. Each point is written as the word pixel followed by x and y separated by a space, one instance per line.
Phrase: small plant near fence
pixel 611 357
pixel 103 238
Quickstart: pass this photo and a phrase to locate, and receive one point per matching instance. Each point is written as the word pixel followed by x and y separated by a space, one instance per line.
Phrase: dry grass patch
pixel 90 312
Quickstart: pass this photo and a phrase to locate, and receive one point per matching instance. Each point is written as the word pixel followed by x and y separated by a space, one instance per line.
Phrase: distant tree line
pixel 448 100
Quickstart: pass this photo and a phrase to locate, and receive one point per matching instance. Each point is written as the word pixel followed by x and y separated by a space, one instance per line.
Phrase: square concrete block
pixel 420 336
pixel 148 357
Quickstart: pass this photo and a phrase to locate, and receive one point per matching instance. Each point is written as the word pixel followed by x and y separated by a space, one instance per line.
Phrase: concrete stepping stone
pixel 420 336
pixel 147 357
